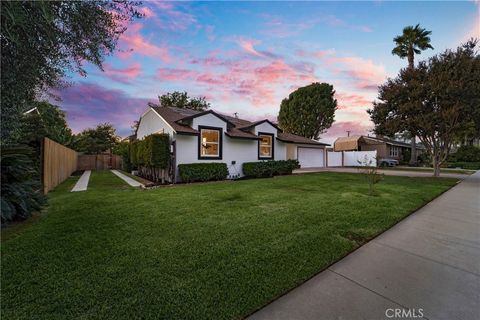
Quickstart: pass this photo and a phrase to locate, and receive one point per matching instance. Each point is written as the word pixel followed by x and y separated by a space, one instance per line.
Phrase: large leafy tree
pixel 182 100
pixel 413 40
pixel 435 100
pixel 96 140
pixel 309 110
pixel 46 120
pixel 42 41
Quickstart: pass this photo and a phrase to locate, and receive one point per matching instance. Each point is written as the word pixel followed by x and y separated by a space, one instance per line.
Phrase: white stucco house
pixel 209 136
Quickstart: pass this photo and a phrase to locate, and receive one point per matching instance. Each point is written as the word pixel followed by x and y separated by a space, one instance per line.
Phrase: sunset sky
pixel 246 57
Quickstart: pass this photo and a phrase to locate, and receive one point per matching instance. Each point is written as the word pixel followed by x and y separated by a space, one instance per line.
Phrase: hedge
pixel 465 165
pixel 264 169
pixel 465 154
pixel 151 157
pixel 192 172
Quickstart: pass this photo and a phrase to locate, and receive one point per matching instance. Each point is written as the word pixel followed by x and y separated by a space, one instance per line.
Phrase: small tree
pixel 308 111
pixel 182 100
pixel 369 170
pixel 97 140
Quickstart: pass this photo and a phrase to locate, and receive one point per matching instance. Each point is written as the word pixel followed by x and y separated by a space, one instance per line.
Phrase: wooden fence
pixel 99 162
pixel 58 163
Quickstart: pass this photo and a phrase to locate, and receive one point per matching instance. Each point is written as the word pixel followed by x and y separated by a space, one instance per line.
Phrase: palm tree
pixel 413 41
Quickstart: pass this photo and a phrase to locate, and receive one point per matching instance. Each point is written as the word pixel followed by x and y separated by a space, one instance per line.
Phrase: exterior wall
pixel 209 120
pixel 280 148
pixel 400 153
pixel 382 149
pixel 291 151
pixel 150 123
pixel 234 151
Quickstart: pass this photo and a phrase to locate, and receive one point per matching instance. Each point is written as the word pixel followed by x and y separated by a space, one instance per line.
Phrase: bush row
pixel 465 154
pixel 153 151
pixel 263 169
pixel 151 157
pixel 192 172
pixel 465 165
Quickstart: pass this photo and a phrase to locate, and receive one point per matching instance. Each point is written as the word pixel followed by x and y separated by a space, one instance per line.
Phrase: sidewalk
pixel 428 265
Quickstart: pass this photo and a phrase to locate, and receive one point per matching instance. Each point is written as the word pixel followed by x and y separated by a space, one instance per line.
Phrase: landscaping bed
pixel 210 251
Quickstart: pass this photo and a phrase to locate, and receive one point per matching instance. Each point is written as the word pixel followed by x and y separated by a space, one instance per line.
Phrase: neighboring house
pixel 208 136
pixel 386 148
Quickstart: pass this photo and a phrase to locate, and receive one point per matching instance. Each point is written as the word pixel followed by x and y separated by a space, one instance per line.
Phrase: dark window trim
pixel 220 143
pixel 273 145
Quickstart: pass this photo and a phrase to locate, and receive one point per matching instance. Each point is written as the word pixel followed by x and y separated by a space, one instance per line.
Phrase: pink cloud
pixel 88 104
pixel 339 129
pixel 132 42
pixel 349 101
pixel 147 12
pixel 248 46
pixel 173 17
pixel 363 73
pixel 124 75
pixel 262 83
pixel 172 74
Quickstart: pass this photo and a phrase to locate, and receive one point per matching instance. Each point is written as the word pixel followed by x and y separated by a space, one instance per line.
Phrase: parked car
pixel 388 162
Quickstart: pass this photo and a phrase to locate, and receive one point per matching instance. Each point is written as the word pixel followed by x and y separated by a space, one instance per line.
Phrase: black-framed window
pixel 266 146
pixel 210 142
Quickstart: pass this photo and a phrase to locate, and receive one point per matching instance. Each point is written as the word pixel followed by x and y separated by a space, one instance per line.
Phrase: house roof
pixel 256 123
pixel 351 143
pixel 177 118
pixel 293 138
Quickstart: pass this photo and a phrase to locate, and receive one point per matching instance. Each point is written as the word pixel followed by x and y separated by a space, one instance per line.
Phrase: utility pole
pixel 348 133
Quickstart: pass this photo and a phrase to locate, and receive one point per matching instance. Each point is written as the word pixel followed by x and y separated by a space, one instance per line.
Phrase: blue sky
pixel 246 57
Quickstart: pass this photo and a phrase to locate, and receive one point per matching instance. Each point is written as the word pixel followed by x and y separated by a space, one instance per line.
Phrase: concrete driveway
pixel 427 266
pixel 388 172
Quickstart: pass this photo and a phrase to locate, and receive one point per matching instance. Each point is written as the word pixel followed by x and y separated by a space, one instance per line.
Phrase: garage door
pixel 310 157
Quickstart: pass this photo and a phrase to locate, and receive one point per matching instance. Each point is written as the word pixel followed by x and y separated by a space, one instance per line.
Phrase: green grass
pixel 428 169
pixel 202 251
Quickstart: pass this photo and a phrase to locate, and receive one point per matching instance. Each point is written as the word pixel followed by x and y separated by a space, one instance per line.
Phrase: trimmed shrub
pixel 465 165
pixel 466 154
pixel 133 154
pixel 192 172
pixel 151 157
pixel 160 151
pixel 265 169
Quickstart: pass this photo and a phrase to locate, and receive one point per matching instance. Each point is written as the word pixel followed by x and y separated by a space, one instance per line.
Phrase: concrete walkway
pixel 127 179
pixel 388 172
pixel 82 183
pixel 427 265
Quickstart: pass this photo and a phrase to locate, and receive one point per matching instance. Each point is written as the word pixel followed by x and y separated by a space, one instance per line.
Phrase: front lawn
pixel 202 251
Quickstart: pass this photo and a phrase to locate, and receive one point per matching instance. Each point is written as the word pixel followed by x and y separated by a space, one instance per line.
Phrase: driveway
pixel 427 266
pixel 413 173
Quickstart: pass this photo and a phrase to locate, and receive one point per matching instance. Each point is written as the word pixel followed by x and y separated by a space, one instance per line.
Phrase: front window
pixel 394 151
pixel 210 143
pixel 265 146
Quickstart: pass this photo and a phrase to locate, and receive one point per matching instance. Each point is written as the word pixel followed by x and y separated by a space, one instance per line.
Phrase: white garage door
pixel 310 157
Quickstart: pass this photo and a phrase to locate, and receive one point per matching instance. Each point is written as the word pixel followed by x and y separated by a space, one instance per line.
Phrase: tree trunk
pixel 413 151
pixel 411 63
pixel 436 166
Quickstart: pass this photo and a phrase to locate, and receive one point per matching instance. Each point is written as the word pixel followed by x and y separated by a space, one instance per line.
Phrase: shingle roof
pixel 172 115
pixel 293 138
pixel 351 143
pixel 237 128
